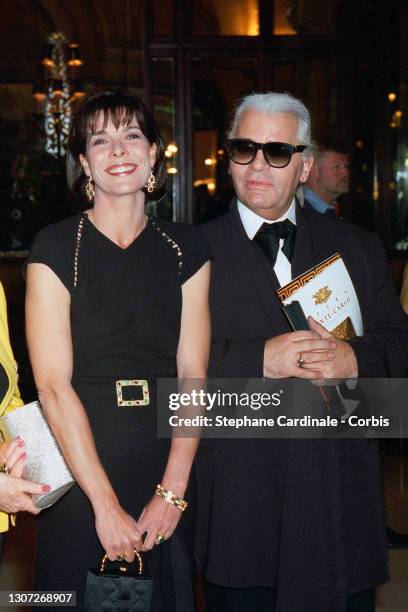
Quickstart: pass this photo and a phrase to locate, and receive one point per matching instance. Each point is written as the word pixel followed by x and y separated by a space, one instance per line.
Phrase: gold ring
pixel 4 469
pixel 160 539
pixel 300 362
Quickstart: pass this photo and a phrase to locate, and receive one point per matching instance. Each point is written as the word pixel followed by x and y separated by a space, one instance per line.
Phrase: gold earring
pixel 151 182
pixel 90 189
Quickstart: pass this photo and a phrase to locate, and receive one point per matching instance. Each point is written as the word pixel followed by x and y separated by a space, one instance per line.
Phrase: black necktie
pixel 268 237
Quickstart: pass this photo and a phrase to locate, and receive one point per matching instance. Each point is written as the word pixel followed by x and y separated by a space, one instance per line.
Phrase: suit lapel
pixel 303 256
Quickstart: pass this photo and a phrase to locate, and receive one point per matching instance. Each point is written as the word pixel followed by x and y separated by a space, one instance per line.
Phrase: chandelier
pixel 59 89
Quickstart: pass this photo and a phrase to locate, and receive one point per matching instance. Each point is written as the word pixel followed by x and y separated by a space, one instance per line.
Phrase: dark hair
pixel 119 107
pixel 329 144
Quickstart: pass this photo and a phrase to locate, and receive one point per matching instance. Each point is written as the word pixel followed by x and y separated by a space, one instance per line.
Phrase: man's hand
pixel 282 353
pixel 343 365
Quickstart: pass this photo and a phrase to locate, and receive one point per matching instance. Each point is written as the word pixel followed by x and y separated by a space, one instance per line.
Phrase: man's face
pixel 265 190
pixel 333 174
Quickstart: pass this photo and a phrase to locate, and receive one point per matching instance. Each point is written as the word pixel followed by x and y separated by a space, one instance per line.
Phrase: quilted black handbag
pixel 123 589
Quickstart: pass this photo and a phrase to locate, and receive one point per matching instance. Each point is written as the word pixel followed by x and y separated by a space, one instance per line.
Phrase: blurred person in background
pixel 15 492
pixel 328 178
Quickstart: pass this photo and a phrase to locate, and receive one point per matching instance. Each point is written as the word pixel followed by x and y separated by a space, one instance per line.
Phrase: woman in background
pixel 116 300
pixel 15 492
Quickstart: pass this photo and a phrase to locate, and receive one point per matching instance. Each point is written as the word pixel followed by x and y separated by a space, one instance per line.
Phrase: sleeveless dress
pixel 125 325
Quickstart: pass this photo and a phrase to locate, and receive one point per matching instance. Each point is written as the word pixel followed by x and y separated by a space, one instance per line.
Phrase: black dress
pixel 125 324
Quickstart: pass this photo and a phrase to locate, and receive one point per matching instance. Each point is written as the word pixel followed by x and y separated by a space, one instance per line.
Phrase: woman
pixel 114 301
pixel 15 493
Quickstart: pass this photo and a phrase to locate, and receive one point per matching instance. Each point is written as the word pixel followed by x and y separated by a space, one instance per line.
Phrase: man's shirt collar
pixel 315 202
pixel 252 222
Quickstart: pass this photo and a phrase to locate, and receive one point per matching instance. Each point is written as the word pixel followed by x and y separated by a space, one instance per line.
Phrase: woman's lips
pixel 121 169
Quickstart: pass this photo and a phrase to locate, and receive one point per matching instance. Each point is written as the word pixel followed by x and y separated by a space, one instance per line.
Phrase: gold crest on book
pixel 321 296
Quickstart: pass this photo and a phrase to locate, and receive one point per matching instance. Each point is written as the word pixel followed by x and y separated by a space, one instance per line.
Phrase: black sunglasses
pixel 277 154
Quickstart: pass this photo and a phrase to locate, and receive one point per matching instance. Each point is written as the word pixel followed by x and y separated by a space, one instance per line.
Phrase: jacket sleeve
pixel 383 349
pixel 237 358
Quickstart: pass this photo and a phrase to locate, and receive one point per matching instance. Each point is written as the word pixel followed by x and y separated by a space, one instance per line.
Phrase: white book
pixel 325 292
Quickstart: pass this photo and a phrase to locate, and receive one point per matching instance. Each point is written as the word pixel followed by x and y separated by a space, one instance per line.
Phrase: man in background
pixel 328 178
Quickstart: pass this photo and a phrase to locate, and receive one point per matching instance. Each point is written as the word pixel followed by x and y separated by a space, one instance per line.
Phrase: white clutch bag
pixel 45 463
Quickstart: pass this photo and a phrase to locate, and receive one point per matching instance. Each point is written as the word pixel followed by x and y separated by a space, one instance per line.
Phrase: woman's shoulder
pixel 183 232
pixel 189 242
pixel 61 232
pixel 54 246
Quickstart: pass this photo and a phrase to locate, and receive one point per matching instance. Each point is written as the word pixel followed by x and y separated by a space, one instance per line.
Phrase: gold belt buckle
pixel 133 383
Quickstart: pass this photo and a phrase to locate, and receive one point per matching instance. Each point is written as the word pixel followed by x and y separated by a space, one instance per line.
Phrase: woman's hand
pixel 13 456
pixel 15 492
pixel 159 518
pixel 118 532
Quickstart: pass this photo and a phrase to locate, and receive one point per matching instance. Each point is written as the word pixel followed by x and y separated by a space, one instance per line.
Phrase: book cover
pixel 325 292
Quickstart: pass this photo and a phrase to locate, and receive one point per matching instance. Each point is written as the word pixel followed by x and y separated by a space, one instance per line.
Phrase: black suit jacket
pixel 302 516
pixel 245 309
pixel 308 206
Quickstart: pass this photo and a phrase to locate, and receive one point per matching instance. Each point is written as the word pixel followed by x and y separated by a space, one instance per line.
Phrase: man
pixel 328 178
pixel 290 525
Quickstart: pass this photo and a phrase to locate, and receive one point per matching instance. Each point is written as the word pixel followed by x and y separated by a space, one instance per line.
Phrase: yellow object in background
pixel 12 397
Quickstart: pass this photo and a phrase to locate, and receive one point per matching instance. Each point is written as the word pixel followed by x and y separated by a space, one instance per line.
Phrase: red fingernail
pixel 21 443
pixel 23 456
pixel 46 488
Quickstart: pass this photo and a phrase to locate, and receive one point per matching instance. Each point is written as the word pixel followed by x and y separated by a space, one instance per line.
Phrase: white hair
pixel 271 103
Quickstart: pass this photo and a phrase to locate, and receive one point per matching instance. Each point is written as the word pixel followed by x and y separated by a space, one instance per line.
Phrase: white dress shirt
pixel 252 222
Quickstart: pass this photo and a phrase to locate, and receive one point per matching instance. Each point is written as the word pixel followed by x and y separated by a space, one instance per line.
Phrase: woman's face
pixel 118 160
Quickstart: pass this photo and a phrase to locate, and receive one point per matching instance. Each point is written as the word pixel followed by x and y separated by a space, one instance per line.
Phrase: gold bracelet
pixel 171 498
